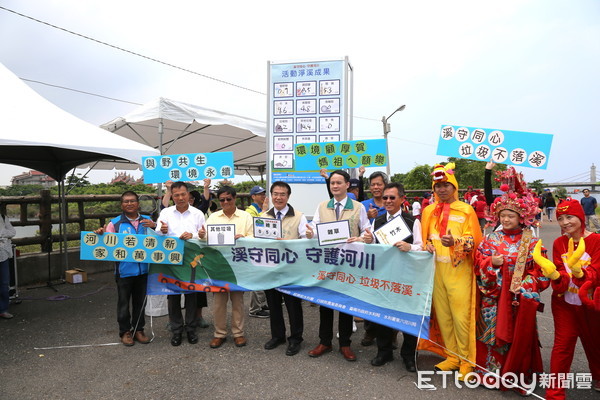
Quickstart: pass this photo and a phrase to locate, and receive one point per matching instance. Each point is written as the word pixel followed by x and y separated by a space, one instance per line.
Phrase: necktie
pixel 390 217
pixel 278 214
pixel 338 207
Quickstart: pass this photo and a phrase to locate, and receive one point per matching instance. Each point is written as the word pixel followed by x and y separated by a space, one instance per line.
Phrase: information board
pixel 307 104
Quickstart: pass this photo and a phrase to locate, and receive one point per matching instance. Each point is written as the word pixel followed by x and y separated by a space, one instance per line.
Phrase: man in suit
pixel 393 197
pixel 340 207
pixel 293 226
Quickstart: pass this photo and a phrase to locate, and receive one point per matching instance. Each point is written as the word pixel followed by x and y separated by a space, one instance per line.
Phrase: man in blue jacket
pixel 131 277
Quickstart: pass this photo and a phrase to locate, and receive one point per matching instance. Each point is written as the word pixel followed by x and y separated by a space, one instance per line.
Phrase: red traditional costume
pixel 507 338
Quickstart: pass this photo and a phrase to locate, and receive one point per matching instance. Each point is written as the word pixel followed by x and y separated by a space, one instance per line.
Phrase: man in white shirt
pixel 393 197
pixel 340 207
pixel 184 222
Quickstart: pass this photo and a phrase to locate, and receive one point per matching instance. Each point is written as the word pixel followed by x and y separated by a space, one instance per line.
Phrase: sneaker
pixel 260 314
pixel 6 315
pixel 597 386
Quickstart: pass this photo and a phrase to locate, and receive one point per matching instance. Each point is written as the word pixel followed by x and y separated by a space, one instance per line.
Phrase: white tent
pixel 174 127
pixel 37 134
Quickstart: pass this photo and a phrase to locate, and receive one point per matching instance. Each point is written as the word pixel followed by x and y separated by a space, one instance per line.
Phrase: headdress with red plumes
pixel 516 198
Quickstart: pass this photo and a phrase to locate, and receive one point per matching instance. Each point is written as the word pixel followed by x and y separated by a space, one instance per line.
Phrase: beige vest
pixel 289 223
pixel 327 214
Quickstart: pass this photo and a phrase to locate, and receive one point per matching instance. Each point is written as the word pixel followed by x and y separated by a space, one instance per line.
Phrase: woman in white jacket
pixel 7 232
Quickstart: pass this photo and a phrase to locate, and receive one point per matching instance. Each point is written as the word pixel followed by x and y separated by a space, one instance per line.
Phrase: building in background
pixel 32 177
pixel 126 178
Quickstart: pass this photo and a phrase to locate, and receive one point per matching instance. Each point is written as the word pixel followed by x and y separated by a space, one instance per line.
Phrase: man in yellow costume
pixel 451 231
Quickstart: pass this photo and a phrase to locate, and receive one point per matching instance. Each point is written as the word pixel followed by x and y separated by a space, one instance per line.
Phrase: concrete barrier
pixel 33 268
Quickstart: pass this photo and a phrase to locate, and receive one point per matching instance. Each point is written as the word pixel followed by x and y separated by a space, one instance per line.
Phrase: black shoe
pixel 192 337
pixel 274 342
pixel 367 340
pixel 409 364
pixel 260 314
pixel 382 359
pixel 176 339
pixel 292 349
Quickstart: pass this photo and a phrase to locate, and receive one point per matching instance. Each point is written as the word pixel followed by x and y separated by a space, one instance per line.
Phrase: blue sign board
pixel 131 248
pixel 188 167
pixel 524 149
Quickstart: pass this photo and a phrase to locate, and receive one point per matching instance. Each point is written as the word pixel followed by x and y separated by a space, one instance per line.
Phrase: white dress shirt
pixel 191 220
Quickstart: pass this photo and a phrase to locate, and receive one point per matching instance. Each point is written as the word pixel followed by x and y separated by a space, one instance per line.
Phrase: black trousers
pixel 294 309
pixel 385 337
pixel 176 316
pixel 202 300
pixel 326 327
pixel 131 288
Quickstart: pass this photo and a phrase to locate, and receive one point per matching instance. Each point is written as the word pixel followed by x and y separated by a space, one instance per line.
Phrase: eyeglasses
pixel 226 199
pixel 389 197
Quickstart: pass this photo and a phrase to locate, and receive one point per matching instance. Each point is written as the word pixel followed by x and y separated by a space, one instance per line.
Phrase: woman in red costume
pixel 510 283
pixel 575 262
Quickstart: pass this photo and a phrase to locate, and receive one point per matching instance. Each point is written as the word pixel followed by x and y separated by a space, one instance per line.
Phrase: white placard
pixel 267 228
pixel 393 231
pixel 220 235
pixel 333 232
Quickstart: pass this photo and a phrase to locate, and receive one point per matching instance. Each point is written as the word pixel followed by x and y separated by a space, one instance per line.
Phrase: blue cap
pixel 354 183
pixel 257 190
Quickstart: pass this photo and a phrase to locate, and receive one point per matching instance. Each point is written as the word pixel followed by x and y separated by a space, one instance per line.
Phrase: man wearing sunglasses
pixel 229 214
pixel 393 197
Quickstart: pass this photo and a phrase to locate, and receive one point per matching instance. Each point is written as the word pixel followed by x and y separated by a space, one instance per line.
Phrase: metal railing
pixel 43 211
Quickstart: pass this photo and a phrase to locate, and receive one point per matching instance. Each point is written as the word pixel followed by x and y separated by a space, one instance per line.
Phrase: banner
pixel 521 149
pixel 129 247
pixel 372 281
pixel 188 167
pixel 338 155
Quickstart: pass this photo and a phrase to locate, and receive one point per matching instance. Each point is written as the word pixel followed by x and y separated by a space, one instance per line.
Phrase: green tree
pixel 561 192
pixel 471 173
pixel 418 178
pixel 77 181
pixel 537 185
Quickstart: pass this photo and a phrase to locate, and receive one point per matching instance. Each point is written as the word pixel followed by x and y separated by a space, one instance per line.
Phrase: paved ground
pixel 36 362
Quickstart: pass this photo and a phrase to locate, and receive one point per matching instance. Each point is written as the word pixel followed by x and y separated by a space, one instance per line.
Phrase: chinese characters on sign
pixel 267 228
pixel 525 149
pixel 220 235
pixel 188 167
pixel 306 106
pixel 338 155
pixel 131 248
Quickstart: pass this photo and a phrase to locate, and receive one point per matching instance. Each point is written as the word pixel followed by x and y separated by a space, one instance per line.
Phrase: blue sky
pixel 515 65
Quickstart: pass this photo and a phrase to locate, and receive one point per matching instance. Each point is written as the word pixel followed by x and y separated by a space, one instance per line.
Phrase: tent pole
pixel 63 221
pixel 160 149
